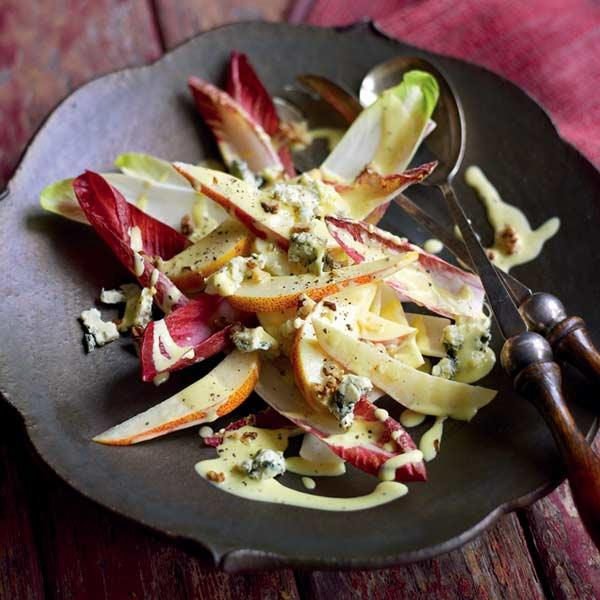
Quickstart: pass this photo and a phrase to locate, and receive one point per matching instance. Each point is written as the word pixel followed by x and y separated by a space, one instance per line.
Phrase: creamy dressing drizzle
pixel 234 481
pixel 206 431
pixel 135 239
pixel 411 418
pixel 381 414
pixel 171 298
pixel 138 264
pixel 431 439
pixel 163 338
pixel 154 277
pixel 433 246
pixel 161 378
pixel 301 466
pixel 387 471
pixel 309 483
pixel 500 215
pixel 331 135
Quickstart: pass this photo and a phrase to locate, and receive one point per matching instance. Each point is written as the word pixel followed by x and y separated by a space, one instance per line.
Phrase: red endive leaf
pixel 265 419
pixel 445 290
pixel 187 335
pixel 244 86
pixel 277 389
pixel 238 135
pixel 113 218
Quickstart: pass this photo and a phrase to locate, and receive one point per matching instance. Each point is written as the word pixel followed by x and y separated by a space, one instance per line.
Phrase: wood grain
pixel 185 18
pixel 85 551
pixel 20 573
pixel 49 48
pixel 571 341
pixel 55 543
pixel 496 565
pixel 569 561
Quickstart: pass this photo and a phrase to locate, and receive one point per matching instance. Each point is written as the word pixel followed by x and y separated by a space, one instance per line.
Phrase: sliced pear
pixel 365 445
pixel 280 293
pixel 373 328
pixel 413 389
pixel 243 202
pixel 391 307
pixel 189 268
pixel 429 333
pixel 308 358
pixel 211 397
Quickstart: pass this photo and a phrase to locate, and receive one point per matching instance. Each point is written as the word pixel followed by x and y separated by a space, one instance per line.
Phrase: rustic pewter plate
pixel 52 269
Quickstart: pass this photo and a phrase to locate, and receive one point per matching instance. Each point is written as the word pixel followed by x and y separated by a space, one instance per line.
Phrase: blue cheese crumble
pixel 249 339
pixel 467 344
pixel 348 393
pixel 227 280
pixel 98 332
pixel 138 304
pixel 307 249
pixel 265 465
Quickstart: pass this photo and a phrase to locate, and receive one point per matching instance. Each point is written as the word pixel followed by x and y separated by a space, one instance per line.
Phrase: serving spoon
pixel 543 313
pixel 526 356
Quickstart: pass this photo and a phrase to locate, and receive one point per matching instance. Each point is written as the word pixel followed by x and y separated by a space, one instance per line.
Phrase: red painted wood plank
pixel 568 559
pixel 185 18
pixel 20 572
pixel 49 48
pixel 496 565
pixel 86 551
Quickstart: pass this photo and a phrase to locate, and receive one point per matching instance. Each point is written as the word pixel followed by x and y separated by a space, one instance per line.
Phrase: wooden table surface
pixel 55 543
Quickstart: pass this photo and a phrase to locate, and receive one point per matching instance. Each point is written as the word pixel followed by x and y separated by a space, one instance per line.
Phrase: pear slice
pixel 216 394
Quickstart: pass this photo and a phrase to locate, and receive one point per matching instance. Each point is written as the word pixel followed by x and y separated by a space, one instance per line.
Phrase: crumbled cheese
pixel 445 368
pixel 265 465
pixel 240 169
pixel 132 293
pixel 99 332
pixel 143 308
pixel 348 393
pixel 303 199
pixel 307 249
pixel 228 278
pixel 275 260
pixel 112 296
pixel 467 345
pixel 249 339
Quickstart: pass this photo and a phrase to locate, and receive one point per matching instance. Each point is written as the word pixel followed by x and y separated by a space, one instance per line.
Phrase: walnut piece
pixel 508 240
pixel 216 477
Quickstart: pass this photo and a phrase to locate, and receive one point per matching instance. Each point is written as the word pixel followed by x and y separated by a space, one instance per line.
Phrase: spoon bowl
pixel 447 141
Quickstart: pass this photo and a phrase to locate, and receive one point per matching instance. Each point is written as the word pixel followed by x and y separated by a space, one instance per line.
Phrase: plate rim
pixel 251 559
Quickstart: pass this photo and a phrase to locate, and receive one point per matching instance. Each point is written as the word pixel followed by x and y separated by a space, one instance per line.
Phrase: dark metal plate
pixel 52 269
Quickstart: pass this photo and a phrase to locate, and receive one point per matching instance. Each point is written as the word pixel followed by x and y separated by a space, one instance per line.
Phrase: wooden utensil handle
pixel 541 383
pixel 571 342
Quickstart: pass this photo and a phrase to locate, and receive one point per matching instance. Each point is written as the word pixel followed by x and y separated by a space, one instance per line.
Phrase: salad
pixel 288 277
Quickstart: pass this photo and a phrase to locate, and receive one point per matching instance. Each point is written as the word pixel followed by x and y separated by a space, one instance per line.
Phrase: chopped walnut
pixel 329 304
pixel 216 477
pixel 305 306
pixel 249 436
pixel 332 377
pixel 270 207
pixel 301 228
pixel 187 225
pixel 508 240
